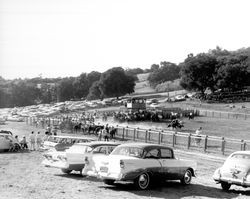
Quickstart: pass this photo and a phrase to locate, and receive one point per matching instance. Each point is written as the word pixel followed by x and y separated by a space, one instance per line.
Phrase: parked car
pixel 180 98
pixel 7 141
pixel 92 161
pixel 74 157
pixel 63 142
pixel 143 163
pixel 234 171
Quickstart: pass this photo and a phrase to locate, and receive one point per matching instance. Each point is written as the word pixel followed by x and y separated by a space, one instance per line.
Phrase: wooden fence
pixel 180 140
pixel 185 141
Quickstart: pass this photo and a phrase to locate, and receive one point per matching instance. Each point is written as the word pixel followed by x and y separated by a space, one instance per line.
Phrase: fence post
pixel 189 141
pixel 174 139
pixel 134 134
pixel 162 136
pixel 137 134
pixel 126 131
pixel 159 137
pixel 242 145
pixel 149 134
pixel 123 131
pixel 223 142
pixel 205 143
pixel 146 135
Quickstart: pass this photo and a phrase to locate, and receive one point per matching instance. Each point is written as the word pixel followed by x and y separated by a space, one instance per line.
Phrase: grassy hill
pixel 142 85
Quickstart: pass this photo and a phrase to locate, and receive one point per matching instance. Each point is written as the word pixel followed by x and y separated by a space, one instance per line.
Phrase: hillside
pixel 142 85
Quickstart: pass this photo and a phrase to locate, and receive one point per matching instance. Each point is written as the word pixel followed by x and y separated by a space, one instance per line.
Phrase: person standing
pixel 32 141
pixel 198 133
pixel 39 140
pixel 23 143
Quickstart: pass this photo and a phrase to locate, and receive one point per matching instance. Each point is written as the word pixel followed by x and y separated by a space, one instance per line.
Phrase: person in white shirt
pixel 32 139
pixel 198 132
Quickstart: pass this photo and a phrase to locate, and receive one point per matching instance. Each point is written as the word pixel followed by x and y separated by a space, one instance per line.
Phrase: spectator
pixel 39 140
pixel 23 143
pixel 99 134
pixel 198 133
pixel 32 141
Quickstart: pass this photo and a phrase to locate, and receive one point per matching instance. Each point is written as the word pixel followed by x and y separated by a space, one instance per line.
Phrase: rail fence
pixel 185 141
pixel 180 140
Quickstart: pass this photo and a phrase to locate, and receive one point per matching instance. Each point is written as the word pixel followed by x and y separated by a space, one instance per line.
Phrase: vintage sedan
pixel 143 163
pixel 63 142
pixel 235 171
pixel 74 158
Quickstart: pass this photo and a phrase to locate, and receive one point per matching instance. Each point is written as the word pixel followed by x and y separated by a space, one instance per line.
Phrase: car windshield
pixel 81 148
pixel 129 151
pixel 241 156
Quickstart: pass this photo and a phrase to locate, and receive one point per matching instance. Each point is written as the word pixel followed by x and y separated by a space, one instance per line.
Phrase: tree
pixel 115 83
pixel 154 67
pixel 95 91
pixel 167 72
pixel 197 72
pixel 232 73
pixel 65 89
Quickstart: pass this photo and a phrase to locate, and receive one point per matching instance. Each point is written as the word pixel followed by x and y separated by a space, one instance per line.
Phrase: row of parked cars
pixel 138 163
pixel 142 164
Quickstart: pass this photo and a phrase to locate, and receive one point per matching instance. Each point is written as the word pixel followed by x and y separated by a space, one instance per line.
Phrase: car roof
pixel 72 137
pixel 142 145
pixel 98 143
pixel 241 152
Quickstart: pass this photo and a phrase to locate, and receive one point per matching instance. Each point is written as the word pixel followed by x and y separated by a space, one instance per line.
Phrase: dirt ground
pixel 23 176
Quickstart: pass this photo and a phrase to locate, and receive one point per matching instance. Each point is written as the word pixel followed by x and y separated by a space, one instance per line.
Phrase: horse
pixel 176 124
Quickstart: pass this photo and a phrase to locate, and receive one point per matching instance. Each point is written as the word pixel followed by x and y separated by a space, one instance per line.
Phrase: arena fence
pixel 175 139
pixel 185 141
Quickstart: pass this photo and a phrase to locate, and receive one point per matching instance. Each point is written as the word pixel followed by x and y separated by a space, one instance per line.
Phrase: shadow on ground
pixel 176 190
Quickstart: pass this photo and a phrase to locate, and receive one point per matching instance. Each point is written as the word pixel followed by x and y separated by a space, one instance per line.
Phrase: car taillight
pixel 86 160
pixel 122 165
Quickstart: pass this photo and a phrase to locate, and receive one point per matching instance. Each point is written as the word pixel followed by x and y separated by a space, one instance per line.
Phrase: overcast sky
pixel 59 38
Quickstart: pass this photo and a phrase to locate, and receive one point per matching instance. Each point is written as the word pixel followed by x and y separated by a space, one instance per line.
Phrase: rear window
pixel 241 156
pixel 128 151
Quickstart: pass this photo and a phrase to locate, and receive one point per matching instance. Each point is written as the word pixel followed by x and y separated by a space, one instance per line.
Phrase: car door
pixel 151 156
pixel 170 166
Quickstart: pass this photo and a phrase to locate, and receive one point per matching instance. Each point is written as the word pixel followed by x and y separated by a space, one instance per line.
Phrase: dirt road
pixel 23 176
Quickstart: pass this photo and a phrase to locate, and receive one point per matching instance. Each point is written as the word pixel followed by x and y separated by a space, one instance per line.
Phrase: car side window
pixel 100 149
pixel 153 154
pixel 110 149
pixel 166 154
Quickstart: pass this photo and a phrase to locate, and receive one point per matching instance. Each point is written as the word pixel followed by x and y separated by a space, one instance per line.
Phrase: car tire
pixel 142 182
pixel 187 177
pixel 225 186
pixel 66 171
pixel 109 182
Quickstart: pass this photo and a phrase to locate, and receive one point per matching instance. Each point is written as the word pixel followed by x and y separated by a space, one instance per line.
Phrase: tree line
pixel 94 85
pixel 217 69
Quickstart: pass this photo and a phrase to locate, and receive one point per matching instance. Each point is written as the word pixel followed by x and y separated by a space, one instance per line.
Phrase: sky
pixel 62 38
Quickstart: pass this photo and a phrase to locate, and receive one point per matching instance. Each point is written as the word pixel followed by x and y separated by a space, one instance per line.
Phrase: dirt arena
pixel 23 176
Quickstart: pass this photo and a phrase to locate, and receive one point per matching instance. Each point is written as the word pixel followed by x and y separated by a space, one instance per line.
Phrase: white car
pixel 6 141
pixel 74 158
pixel 235 171
pixel 143 163
pixel 94 159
